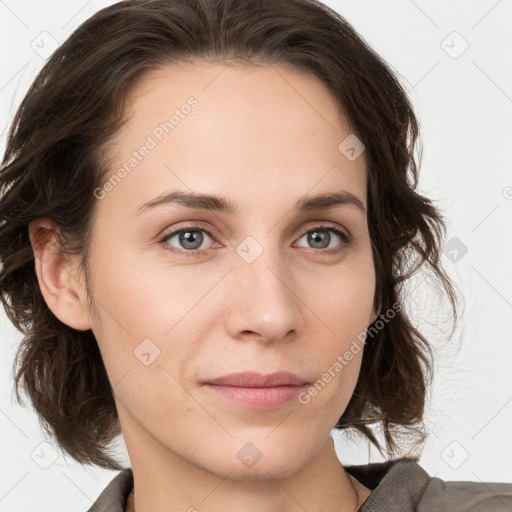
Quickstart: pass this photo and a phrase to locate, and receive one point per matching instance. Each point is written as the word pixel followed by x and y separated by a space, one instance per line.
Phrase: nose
pixel 262 300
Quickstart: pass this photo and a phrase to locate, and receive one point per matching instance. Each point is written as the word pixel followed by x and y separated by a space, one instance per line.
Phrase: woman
pixel 208 211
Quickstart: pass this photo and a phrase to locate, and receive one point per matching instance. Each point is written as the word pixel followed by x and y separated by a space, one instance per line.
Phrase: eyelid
pixel 189 225
pixel 325 225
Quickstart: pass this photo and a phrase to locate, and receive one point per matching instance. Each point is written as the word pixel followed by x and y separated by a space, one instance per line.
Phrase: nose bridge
pixel 263 301
pixel 263 275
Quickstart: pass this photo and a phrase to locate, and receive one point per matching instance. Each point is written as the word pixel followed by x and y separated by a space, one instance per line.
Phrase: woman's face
pixel 259 280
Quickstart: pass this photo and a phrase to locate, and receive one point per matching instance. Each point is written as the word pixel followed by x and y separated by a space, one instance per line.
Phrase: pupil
pixel 316 238
pixel 187 239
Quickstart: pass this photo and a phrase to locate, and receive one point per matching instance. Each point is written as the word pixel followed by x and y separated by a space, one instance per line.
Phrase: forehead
pixel 262 85
pixel 208 125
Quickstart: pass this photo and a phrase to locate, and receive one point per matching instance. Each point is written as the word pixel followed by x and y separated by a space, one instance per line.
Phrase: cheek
pixel 343 308
pixel 148 298
pixel 342 298
pixel 151 323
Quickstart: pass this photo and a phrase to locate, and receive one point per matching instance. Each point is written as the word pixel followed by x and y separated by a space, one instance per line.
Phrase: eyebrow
pixel 220 204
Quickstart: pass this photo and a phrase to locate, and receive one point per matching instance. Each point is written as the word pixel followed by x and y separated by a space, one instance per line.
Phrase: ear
pixel 58 278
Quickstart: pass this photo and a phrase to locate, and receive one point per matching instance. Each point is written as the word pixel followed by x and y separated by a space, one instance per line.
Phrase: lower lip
pixel 258 398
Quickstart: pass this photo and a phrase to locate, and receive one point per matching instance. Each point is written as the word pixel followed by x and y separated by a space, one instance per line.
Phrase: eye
pixel 193 240
pixel 188 240
pixel 320 237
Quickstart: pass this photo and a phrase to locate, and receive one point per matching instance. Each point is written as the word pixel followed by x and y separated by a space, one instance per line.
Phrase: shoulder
pixel 113 497
pixel 403 485
pixel 468 496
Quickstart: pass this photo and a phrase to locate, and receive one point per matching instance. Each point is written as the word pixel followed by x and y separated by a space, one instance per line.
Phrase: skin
pixel 263 138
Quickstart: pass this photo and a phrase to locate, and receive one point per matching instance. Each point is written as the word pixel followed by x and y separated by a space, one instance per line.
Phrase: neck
pixel 321 485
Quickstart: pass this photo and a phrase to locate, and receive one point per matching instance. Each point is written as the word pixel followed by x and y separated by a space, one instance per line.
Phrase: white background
pixel 464 103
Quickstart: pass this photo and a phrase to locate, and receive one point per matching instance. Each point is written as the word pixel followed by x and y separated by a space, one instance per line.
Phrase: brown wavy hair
pixel 56 157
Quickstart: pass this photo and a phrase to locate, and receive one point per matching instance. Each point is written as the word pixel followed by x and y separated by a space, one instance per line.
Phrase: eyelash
pixel 345 237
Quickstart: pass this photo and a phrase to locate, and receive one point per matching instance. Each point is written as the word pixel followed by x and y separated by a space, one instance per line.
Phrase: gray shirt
pixel 400 485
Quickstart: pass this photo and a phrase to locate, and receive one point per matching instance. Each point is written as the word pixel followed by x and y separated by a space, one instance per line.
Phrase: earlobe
pixel 58 278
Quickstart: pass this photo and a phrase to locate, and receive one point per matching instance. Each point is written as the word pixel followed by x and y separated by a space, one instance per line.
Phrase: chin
pixel 277 469
pixel 261 459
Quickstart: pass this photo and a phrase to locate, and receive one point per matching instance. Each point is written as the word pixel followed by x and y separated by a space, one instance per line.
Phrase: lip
pixel 258 380
pixel 254 390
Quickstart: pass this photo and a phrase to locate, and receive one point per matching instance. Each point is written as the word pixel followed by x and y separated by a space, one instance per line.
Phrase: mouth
pixel 257 391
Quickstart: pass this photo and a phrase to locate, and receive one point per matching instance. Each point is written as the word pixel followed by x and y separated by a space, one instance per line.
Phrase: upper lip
pixel 258 380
